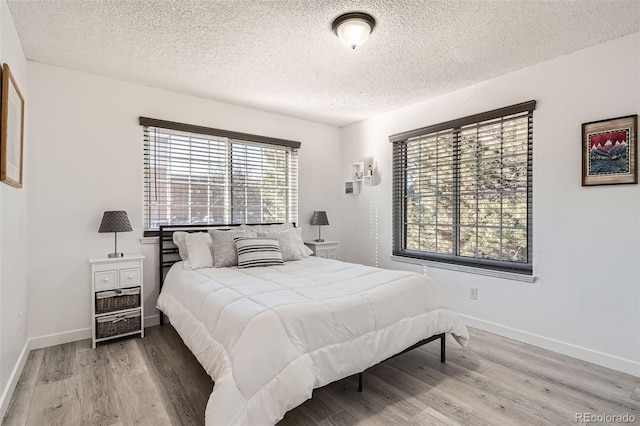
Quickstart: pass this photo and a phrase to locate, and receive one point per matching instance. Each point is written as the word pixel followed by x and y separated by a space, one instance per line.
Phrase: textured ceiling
pixel 281 56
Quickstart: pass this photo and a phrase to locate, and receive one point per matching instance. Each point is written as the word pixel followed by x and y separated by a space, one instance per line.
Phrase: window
pixel 197 175
pixel 462 190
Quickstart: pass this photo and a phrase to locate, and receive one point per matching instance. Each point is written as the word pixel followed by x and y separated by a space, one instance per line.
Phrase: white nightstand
pixel 326 249
pixel 116 297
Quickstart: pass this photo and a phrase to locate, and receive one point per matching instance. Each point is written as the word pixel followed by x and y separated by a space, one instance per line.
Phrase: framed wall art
pixel 610 151
pixel 11 131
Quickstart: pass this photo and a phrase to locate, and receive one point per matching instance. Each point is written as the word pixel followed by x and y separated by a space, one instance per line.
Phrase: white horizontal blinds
pixel 185 178
pixel 462 190
pixel 192 178
pixel 263 183
pixel 292 205
pixel 399 196
pixel 494 171
pixel 430 193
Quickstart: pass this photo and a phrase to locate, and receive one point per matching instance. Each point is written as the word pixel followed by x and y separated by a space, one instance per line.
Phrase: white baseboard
pixel 60 338
pixel 75 335
pixel 152 320
pixel 7 392
pixel 606 360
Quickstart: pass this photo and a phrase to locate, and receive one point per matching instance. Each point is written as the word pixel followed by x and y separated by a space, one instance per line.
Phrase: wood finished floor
pixel 157 381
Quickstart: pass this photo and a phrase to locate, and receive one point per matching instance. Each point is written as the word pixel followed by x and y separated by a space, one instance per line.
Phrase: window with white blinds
pixel 196 175
pixel 462 190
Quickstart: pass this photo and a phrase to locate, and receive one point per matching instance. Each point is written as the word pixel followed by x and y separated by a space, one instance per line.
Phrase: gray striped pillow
pixel 258 252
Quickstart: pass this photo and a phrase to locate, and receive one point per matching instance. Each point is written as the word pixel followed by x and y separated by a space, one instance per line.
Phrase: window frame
pixel 231 138
pixel 400 182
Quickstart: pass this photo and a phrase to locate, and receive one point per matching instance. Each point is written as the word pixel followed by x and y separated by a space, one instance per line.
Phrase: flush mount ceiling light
pixel 353 28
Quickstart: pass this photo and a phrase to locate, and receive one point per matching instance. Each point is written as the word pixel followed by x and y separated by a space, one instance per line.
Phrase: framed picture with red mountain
pixel 610 151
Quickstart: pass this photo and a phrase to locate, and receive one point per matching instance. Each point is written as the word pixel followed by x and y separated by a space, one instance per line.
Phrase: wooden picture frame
pixel 11 131
pixel 610 151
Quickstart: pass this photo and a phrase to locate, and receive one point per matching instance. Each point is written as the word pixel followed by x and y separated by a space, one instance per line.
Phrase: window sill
pixel 467 269
pixel 149 240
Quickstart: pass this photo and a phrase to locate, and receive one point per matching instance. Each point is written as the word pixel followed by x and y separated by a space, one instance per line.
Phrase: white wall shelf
pixel 352 187
pixel 357 171
pixel 362 174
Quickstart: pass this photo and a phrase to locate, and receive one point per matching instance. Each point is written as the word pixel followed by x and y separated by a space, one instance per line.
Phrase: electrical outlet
pixel 473 294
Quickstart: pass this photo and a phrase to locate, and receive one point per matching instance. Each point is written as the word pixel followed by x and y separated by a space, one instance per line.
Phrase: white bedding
pixel 269 336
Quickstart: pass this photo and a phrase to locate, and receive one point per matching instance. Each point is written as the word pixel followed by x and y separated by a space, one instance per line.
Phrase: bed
pixel 269 335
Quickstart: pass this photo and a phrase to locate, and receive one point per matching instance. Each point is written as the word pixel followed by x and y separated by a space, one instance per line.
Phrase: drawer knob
pixel 106 280
pixel 130 277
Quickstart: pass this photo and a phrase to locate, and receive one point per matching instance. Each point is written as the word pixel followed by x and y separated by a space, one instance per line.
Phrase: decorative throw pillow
pixel 294 240
pixel 200 248
pixel 224 247
pixel 258 252
pixel 288 244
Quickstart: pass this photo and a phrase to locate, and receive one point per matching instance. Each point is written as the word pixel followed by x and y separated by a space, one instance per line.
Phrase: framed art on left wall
pixel 11 131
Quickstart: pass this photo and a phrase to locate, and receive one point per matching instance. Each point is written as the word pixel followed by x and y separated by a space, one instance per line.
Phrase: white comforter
pixel 269 336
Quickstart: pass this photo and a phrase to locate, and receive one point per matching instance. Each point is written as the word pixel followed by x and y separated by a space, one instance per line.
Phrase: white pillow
pixel 224 247
pixel 179 239
pixel 304 250
pixel 200 249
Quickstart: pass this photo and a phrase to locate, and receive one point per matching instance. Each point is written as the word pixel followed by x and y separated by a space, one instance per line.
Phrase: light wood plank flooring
pixel 157 381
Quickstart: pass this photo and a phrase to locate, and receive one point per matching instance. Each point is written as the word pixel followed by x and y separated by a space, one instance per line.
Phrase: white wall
pixel 13 229
pixel 586 300
pixel 86 157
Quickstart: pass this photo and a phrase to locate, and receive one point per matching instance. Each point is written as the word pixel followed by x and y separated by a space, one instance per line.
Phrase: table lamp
pixel 319 218
pixel 115 221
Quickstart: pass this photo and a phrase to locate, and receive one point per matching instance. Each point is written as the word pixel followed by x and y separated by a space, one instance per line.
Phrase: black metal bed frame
pixel 442 338
pixel 168 255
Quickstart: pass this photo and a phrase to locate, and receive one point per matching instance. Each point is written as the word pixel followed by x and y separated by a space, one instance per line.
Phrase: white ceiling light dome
pixel 353 28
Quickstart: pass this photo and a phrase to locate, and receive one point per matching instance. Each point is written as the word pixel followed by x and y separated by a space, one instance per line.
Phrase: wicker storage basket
pixel 117 300
pixel 113 325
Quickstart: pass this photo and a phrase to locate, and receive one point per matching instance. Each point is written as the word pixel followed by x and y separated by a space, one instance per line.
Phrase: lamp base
pixel 319 240
pixel 112 255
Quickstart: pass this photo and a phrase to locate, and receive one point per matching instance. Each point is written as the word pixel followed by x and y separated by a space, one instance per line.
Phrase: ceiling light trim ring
pixel 353 15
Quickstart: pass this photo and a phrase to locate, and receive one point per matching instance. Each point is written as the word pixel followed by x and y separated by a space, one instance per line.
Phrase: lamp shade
pixel 115 221
pixel 319 218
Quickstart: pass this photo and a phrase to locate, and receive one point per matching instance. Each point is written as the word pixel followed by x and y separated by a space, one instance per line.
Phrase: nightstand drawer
pixel 119 323
pixel 129 277
pixel 322 253
pixel 115 264
pixel 117 300
pixel 106 279
pixel 331 254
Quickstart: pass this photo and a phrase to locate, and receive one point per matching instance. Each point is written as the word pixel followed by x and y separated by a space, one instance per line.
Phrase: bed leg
pixel 442 347
pixel 359 382
pixel 161 318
